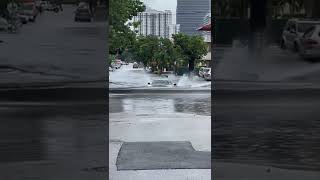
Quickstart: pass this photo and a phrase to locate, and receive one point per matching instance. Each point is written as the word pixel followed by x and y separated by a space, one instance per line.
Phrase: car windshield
pixel 160 82
pixel 206 70
pixel 302 27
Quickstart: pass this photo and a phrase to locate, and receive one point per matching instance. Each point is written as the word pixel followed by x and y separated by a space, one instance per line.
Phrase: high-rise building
pixel 157 23
pixel 190 14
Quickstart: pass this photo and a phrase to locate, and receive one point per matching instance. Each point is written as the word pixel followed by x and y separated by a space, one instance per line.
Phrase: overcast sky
pixel 163 5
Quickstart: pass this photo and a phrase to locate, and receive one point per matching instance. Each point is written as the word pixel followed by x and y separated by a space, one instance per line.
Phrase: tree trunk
pixel 191 65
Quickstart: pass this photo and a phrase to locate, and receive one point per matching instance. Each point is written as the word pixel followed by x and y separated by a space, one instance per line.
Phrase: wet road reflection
pixel 51 131
pixel 280 131
pixel 165 103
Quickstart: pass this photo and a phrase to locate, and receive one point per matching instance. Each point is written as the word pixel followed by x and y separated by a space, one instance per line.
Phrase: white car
pixel 310 43
pixel 161 83
pixel 203 71
pixel 293 32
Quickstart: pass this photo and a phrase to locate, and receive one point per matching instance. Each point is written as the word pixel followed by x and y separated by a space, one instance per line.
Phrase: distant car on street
pixel 83 13
pixel 111 69
pixel 161 83
pixel 135 65
pixel 310 44
pixel 203 71
pixel 30 11
pixel 293 32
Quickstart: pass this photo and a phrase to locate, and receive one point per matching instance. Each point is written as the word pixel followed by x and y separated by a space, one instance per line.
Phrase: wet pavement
pixel 51 127
pixel 54 49
pixel 142 114
pixel 274 127
pixel 50 135
pixel 199 104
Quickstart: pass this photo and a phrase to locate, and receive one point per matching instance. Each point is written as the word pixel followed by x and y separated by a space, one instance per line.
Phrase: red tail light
pixel 310 43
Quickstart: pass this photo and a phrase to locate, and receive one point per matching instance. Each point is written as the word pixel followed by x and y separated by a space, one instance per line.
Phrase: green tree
pixel 4 3
pixel 192 48
pixel 120 34
pixel 144 50
pixel 166 55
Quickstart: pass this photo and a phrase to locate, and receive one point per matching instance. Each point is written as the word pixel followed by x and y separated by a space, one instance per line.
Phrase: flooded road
pixel 199 104
pixel 128 77
pixel 272 128
pixel 51 131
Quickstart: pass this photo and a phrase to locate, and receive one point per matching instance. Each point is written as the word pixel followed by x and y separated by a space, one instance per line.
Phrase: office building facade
pixel 157 23
pixel 190 15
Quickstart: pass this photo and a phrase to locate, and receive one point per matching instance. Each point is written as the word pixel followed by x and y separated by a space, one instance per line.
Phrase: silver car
pixel 293 32
pixel 310 43
pixel 161 83
pixel 203 71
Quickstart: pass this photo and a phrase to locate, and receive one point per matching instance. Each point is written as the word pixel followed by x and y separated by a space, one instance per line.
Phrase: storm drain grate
pixel 161 155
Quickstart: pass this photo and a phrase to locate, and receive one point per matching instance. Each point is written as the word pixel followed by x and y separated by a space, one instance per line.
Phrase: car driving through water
pixel 162 83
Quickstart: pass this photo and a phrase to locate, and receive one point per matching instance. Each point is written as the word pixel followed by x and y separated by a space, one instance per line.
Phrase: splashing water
pixel 192 81
pixel 127 76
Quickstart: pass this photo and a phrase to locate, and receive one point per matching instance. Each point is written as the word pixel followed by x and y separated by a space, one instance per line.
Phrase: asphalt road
pixel 53 104
pixel 54 49
pixel 267 124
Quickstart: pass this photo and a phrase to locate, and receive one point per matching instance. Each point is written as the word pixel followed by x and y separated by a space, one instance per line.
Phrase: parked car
pixel 83 13
pixel 4 25
pixel 207 75
pixel 161 83
pixel 310 43
pixel 203 71
pixel 293 32
pixel 30 11
pixel 111 69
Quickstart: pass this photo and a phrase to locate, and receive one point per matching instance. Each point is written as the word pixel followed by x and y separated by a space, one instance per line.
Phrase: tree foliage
pixel 160 53
pixel 4 3
pixel 191 48
pixel 120 35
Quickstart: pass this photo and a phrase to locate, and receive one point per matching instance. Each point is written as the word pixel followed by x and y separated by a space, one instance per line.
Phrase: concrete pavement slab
pixel 161 155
